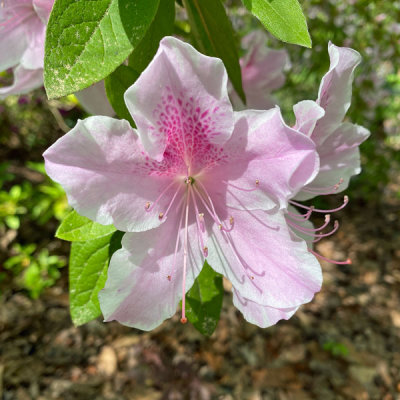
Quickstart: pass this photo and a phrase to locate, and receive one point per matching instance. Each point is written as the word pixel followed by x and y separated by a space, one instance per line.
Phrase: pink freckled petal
pixel 181 77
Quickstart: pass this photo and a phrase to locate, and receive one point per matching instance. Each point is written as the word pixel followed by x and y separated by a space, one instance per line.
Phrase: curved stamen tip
pixel 348 261
pixel 327 218
pixel 147 205
pixel 183 320
pixel 205 251
pixel 160 216
pixel 346 199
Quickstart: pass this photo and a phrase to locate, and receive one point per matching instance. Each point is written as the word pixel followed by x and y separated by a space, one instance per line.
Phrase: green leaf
pixel 76 228
pixel 116 84
pixel 162 25
pixel 88 266
pixel 213 35
pixel 283 18
pixel 88 39
pixel 204 300
pixel 125 76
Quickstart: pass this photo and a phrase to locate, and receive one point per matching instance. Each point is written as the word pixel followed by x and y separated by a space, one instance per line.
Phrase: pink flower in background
pixel 195 181
pixel 22 37
pixel 262 72
pixel 337 142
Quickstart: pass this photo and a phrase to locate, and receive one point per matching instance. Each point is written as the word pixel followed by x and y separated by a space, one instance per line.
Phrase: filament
pixel 347 262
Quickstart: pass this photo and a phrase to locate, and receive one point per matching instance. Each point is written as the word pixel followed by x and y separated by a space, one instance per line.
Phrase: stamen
pixel 160 216
pixel 303 229
pixel 169 277
pixel 324 190
pixel 301 217
pixel 211 211
pixel 347 262
pixel 200 226
pixel 345 201
pixel 149 207
pixel 185 254
pixel 242 189
pixel 231 220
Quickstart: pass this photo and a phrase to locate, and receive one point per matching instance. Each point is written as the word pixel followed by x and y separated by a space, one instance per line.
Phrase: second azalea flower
pixel 195 181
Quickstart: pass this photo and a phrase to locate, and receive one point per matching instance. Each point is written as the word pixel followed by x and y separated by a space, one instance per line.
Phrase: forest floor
pixel 345 344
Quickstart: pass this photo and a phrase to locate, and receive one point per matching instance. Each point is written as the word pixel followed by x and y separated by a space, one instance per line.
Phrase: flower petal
pixel 144 286
pixel 335 90
pixel 184 92
pixel 264 260
pixel 340 159
pixel 25 80
pixel 94 100
pixel 107 175
pixel 307 113
pixel 266 156
pixel 262 316
pixel 15 16
pixel 262 72
pixel 33 57
pixel 43 9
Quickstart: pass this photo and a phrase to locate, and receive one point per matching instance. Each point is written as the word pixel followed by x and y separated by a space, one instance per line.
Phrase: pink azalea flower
pixel 262 72
pixel 337 142
pixel 22 37
pixel 195 181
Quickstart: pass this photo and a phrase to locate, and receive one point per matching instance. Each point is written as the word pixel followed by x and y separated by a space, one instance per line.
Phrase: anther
pixel 231 220
pixel 205 251
pixel 220 226
pixel 160 216
pixel 257 182
pixel 252 277
pixel 147 206
pixel 169 277
pixel 183 320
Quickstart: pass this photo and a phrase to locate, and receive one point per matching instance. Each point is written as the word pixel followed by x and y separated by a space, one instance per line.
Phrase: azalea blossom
pixel 337 142
pixel 262 72
pixel 195 181
pixel 22 37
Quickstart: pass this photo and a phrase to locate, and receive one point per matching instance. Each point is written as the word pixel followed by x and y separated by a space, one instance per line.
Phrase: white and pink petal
pixel 257 314
pixel 107 175
pixel 267 163
pixel 144 282
pixel 264 260
pixel 25 80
